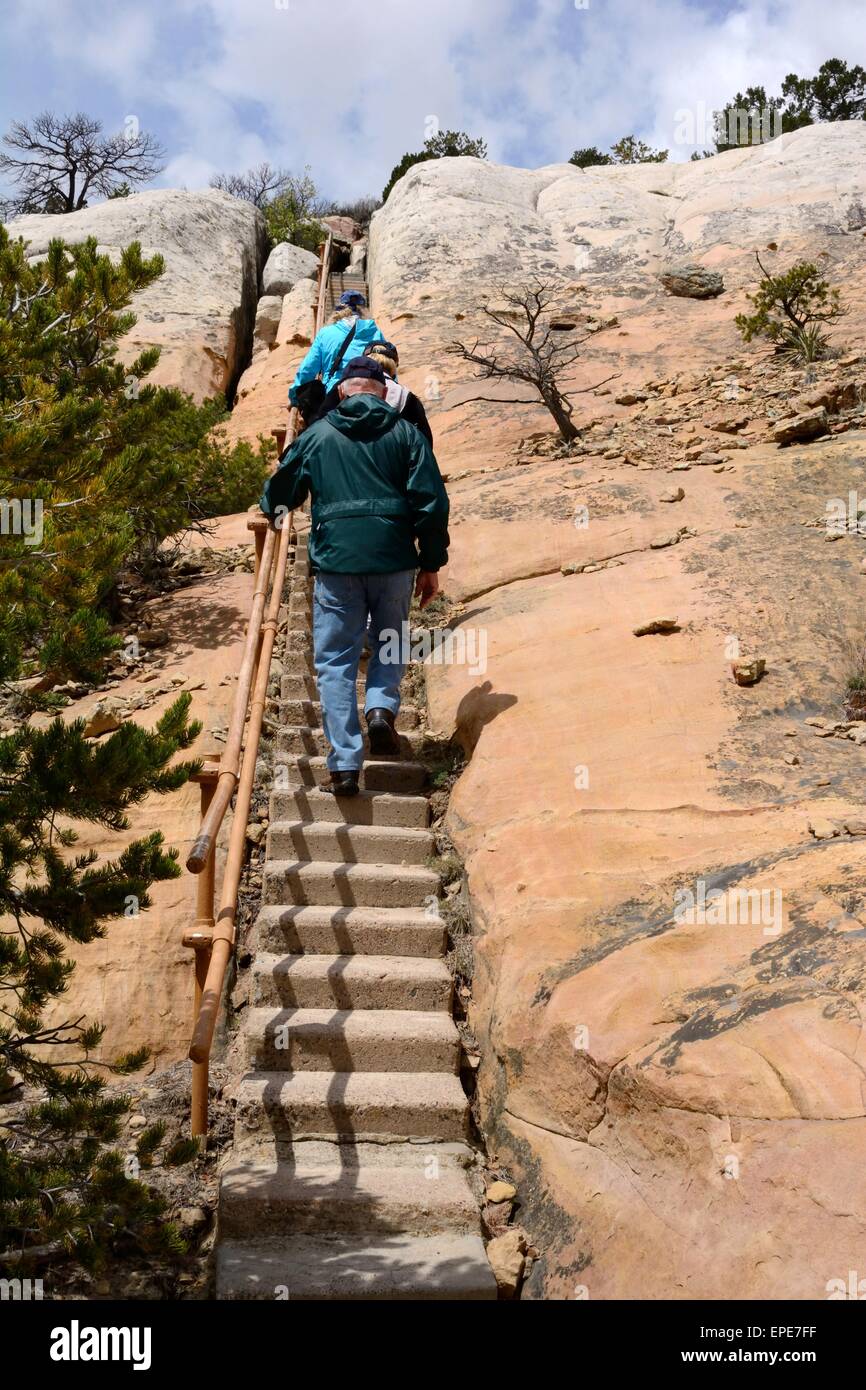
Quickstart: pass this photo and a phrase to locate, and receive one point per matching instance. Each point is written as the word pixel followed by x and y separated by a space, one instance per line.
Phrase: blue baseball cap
pixel 352 299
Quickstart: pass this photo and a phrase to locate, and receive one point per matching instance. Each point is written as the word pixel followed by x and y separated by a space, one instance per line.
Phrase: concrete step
pixel 336 842
pixel 417 1193
pixel 298 640
pixel 299 741
pixel 350 982
pixel 297 659
pixel 398 1268
pixel 377 775
pixel 309 712
pixel 302 686
pixel 289 1105
pixel 318 883
pixel 351 931
pixel 349 1040
pixel 367 808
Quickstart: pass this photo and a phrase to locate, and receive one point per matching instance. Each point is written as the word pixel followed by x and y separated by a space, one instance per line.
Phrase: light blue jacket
pixel 327 344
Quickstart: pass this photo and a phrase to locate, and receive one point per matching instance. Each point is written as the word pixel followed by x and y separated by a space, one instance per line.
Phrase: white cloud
pixel 257 81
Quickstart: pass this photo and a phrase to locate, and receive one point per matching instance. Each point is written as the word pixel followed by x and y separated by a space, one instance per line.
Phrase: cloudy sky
pixel 225 84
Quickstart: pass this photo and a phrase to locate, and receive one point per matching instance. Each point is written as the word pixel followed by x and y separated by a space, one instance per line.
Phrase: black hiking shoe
pixel 384 739
pixel 343 784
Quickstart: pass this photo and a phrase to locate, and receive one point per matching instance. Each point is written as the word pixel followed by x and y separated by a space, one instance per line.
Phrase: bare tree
pixel 63 159
pixel 256 186
pixel 545 332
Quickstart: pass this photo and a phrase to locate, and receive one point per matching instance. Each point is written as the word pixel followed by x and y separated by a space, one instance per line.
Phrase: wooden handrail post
pixel 200 940
pixel 206 880
pixel 319 279
pixel 200 1070
pixel 259 527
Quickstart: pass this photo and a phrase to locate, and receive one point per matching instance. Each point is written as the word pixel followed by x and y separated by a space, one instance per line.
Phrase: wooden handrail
pixel 213 940
pixel 224 927
pixel 324 276
pixel 228 778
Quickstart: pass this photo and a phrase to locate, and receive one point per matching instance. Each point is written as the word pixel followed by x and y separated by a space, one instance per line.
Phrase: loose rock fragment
pixel 501 1192
pixel 823 829
pixel 691 281
pixel 748 672
pixel 801 428
pixel 506 1254
pixel 657 625
pixel 106 716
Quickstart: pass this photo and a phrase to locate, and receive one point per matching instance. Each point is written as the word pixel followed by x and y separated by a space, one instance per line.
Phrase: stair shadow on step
pixel 341 992
pixel 304 896
pixel 340 923
pixel 321 1188
pixel 347 1268
pixel 331 1050
pixel 342 832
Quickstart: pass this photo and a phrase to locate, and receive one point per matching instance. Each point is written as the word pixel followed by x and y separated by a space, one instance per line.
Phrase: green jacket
pixel 376 489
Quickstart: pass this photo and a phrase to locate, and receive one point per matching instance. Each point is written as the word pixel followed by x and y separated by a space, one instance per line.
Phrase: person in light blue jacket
pixel 337 343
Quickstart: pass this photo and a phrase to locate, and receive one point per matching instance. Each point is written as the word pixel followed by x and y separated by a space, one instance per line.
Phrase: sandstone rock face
pixel 670 971
pixel 344 228
pixel 358 257
pixel 261 400
pixel 285 266
pixel 268 313
pixel 200 313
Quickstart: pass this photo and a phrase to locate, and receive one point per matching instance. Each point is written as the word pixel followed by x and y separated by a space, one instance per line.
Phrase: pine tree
pixel 62 1186
pixel 837 92
pixel 628 150
pixel 97 466
pixel 445 143
pixel 789 309
pixel 590 157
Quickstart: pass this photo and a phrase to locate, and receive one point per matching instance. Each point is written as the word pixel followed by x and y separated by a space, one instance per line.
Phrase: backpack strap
pixel 335 365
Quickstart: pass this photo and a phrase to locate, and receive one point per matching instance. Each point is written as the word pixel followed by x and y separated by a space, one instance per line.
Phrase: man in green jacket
pixel 379 514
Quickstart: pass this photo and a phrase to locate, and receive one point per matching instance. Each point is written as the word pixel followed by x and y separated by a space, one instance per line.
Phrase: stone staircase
pixel 350 1172
pixel 338 282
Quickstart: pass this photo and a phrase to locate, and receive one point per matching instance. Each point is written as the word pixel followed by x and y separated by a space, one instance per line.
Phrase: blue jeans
pixel 341 605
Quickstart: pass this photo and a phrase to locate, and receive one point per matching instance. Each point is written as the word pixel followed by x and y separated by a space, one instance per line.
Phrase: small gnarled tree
pixel 547 341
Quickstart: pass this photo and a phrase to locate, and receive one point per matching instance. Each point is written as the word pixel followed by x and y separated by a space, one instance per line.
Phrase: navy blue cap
pixel 363 367
pixel 382 345
pixel 352 298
